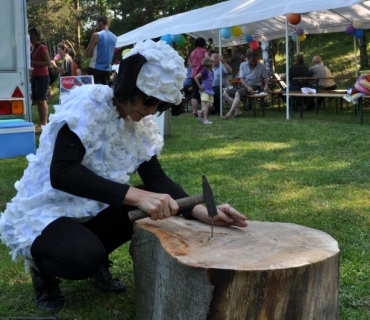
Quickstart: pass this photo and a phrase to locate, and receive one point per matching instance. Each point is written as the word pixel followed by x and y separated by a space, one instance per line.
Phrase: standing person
pixel 205 88
pixel 71 208
pixel 234 60
pixel 72 55
pixel 220 69
pixel 188 87
pixel 66 68
pixel 253 76
pixel 196 57
pixel 101 50
pixel 40 61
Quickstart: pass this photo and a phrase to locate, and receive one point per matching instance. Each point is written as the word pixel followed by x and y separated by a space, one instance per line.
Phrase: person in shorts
pixel 253 76
pixel 205 88
pixel 196 57
pixel 40 61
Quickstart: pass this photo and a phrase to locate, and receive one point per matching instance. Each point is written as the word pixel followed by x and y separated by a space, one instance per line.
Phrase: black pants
pixel 71 250
pixel 100 76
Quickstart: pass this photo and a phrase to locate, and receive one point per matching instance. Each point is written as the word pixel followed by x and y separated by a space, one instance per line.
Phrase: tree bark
pixel 273 271
pixel 364 60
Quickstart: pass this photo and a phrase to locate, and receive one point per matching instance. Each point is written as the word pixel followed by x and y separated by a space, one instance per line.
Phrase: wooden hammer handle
pixel 183 203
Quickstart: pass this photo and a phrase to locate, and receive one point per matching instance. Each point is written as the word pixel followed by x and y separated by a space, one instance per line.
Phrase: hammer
pixel 187 202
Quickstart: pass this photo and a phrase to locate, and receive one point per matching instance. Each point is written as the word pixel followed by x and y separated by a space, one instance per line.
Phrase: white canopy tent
pixel 265 17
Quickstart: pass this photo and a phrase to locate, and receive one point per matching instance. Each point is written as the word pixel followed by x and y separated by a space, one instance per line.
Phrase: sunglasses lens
pixel 164 106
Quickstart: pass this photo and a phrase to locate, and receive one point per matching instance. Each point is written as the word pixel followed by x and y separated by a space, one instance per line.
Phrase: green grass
pixel 312 171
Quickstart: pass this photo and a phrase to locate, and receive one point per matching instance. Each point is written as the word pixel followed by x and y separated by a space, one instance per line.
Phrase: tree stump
pixel 269 270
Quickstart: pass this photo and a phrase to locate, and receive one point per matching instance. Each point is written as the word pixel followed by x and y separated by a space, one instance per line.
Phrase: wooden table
pixel 316 79
pixel 313 95
pixel 328 94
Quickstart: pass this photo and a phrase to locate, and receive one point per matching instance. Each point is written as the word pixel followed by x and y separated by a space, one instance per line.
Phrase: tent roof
pixel 265 17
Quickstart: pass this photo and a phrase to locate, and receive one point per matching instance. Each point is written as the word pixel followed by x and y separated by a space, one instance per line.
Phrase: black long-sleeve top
pixel 67 173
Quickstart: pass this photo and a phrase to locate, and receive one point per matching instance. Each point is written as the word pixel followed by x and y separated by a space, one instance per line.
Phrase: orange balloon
pixel 293 18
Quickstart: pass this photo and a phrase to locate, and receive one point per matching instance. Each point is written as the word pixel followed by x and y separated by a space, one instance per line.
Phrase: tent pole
pixel 355 49
pixel 298 46
pixel 220 70
pixel 287 67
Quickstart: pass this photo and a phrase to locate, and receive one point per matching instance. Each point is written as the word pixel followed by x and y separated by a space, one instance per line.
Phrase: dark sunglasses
pixel 150 101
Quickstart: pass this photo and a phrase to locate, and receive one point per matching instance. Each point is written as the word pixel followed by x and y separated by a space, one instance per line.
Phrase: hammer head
pixel 209 198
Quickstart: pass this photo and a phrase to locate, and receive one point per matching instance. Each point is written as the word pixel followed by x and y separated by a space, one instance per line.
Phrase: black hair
pixel 200 42
pixel 125 82
pixel 103 20
pixel 252 55
pixel 71 53
pixel 35 31
pixel 299 58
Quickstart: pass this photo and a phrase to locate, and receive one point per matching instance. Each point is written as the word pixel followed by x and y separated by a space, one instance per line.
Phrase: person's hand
pixel 266 89
pixel 158 205
pixel 227 216
pixel 52 62
pixel 250 90
pixel 201 88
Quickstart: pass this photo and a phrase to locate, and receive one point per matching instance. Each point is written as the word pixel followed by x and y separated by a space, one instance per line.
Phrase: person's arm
pixel 90 48
pixel 244 83
pixel 196 79
pixel 56 67
pixel 68 174
pixel 157 181
pixel 266 80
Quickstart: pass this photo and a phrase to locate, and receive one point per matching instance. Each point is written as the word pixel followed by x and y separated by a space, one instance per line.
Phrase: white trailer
pixel 15 93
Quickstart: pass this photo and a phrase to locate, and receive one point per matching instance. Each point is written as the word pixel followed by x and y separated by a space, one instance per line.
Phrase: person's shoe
pixel 248 106
pixel 48 295
pixel 207 122
pixel 104 281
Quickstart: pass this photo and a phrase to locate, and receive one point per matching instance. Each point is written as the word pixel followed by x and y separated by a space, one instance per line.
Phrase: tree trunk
pixel 273 271
pixel 364 60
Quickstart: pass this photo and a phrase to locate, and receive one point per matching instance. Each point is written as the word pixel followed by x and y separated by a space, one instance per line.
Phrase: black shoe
pixel 248 106
pixel 48 295
pixel 103 279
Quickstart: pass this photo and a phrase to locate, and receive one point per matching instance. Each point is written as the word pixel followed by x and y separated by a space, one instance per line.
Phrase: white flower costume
pixel 115 147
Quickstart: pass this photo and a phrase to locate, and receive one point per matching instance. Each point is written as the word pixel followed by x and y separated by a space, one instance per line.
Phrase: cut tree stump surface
pixel 260 246
pixel 267 271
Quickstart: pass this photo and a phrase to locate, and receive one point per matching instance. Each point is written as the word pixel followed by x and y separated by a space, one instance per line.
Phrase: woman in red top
pixel 40 61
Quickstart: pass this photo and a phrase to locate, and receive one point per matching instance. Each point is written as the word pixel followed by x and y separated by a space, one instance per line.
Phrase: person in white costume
pixel 70 210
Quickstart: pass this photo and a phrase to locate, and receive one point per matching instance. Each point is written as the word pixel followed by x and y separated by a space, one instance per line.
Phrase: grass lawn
pixel 313 171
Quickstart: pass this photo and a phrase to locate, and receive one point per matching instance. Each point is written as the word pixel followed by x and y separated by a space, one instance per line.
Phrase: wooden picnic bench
pixel 331 94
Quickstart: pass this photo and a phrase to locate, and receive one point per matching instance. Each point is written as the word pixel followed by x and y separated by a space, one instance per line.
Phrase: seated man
pixel 253 76
pixel 220 66
pixel 318 70
pixel 299 70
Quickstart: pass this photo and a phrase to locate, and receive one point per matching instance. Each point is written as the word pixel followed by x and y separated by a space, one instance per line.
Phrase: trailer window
pixel 7 36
